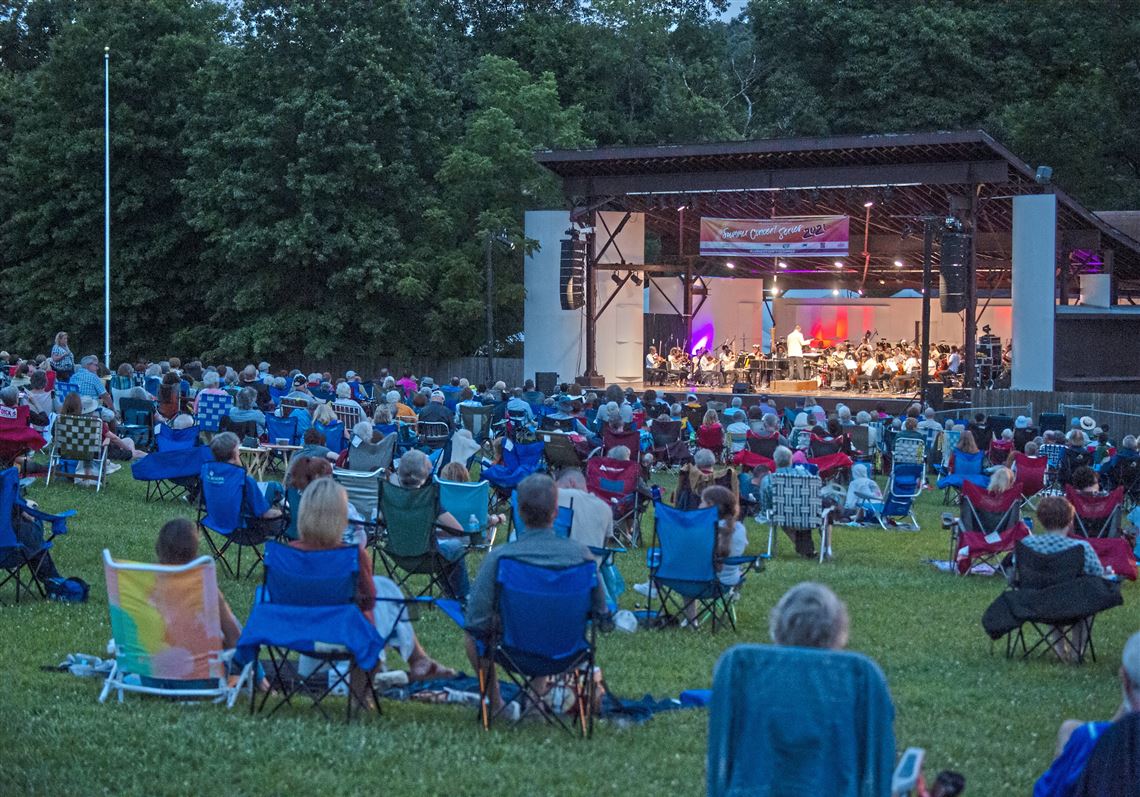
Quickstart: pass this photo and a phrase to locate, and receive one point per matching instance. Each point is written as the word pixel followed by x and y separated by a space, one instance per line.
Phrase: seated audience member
pixel 861 490
pixel 809 615
pixel 262 398
pixel 211 386
pixel 347 405
pixel 117 447
pixel 1125 453
pixel 731 536
pixel 593 522
pixel 89 385
pixel 321 523
pixel 436 411
pixel 752 490
pixel 245 409
pixel 738 430
pixel 1085 481
pixel 785 463
pixel 400 410
pixel 313 445
pixel 537 545
pixel 40 400
pixel 517 404
pixel 1101 758
pixel 623 454
pixel 1054 524
pixel 1001 479
pixel 169 395
pixel 258 504
pixel 177 544
pixel 413 472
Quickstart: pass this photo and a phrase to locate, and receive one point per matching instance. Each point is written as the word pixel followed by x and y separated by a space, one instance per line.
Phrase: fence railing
pixel 441 369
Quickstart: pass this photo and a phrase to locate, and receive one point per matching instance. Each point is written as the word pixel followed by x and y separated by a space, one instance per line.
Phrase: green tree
pixel 51 172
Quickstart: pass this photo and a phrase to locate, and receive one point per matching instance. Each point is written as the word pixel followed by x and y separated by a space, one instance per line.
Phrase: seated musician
pixel 655 366
pixel 870 372
pixel 907 371
pixel 708 366
pixel 676 361
pixel 727 359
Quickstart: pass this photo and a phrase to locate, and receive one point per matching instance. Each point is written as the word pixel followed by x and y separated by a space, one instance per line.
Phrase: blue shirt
pixel 87 384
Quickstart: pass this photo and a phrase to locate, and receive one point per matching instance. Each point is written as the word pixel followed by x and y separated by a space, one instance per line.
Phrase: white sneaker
pixel 111 467
pixel 646 589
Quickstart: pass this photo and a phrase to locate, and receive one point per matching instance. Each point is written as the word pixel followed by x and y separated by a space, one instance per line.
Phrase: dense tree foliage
pixel 321 176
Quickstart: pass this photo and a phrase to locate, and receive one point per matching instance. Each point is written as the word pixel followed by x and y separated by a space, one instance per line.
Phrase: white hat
pixel 801 420
pixel 89 405
pixel 1087 423
pixel 1021 422
pixel 349 374
pixel 437 395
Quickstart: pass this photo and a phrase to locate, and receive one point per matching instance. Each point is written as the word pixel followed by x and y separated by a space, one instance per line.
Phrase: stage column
pixel 553 336
pixel 1033 290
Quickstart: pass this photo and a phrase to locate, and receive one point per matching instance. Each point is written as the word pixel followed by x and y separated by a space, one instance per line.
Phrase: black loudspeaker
pixel 572 276
pixel 741 387
pixel 546 382
pixel 935 395
pixel 952 271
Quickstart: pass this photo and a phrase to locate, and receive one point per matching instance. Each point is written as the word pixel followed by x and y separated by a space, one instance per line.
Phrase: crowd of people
pixel 809 615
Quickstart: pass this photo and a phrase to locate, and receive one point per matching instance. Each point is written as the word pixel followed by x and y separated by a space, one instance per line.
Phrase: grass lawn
pixel 991 719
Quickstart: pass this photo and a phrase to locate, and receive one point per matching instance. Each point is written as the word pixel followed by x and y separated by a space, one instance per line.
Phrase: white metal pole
pixel 107 207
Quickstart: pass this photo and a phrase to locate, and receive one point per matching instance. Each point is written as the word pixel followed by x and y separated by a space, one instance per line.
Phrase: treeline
pixel 320 176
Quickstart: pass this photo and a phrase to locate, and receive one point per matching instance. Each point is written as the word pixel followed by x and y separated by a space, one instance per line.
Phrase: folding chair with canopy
pixel 77 439
pixel 1096 515
pixel 17 437
pixel 988 529
pixel 546 629
pixel 1051 594
pixel 683 567
pixel 167 438
pixel 17 558
pixel 171 474
pixel 167 635
pixel 802 721
pixel 306 606
pixel 615 482
pixel 797 505
pixel 224 510
pixel 407 546
pixel 212 407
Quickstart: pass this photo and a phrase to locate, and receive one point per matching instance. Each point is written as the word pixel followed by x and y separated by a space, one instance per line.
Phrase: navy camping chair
pixel 224 511
pixel 334 435
pixel 904 486
pixel 306 606
pixel 282 429
pixel 682 566
pixel 519 461
pixel 138 421
pixel 545 629
pixel 170 439
pixel 171 474
pixel 18 563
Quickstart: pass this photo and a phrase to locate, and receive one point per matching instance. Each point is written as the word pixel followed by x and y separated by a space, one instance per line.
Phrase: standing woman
pixel 62 360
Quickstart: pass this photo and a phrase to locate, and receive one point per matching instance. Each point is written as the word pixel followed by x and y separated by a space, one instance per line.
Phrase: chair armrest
pixel 907 776
pixel 739 560
pixel 58 522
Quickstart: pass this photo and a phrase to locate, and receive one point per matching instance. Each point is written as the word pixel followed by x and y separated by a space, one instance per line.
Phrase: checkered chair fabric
pixel 909 451
pixel 1053 452
pixel 78 437
pixel 796 501
pixel 211 409
pixel 949 443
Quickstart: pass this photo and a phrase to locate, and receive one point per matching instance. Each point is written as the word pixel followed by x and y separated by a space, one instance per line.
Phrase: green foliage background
pixel 317 177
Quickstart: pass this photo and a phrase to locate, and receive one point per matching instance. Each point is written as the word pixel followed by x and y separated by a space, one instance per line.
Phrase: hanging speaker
pixel 572 276
pixel 952 271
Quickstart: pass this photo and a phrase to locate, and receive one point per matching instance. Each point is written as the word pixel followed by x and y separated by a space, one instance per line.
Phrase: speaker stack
pixel 572 276
pixel 953 269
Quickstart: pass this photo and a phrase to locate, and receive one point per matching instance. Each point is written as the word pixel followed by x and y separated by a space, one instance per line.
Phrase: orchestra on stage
pixel 870 365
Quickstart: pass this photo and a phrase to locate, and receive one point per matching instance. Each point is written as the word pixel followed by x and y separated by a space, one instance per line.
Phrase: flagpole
pixel 107 207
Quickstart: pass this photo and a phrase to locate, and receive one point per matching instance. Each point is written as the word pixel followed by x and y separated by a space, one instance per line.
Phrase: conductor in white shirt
pixel 796 343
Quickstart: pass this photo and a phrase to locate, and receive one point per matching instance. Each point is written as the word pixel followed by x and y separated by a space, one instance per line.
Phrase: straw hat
pixel 1087 423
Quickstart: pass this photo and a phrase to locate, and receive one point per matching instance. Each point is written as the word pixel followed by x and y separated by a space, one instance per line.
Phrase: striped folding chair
pixel 212 407
pixel 797 504
pixel 77 439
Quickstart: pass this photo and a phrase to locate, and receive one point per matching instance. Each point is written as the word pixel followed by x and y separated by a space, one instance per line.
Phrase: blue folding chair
pixel 62 389
pixel 277 428
pixel 468 503
pixel 904 486
pixel 212 407
pixel 169 439
pixel 171 474
pixel 563 521
pixel 334 435
pixel 519 461
pixel 683 569
pixel 306 606
pixel 224 510
pixel 967 468
pixel 15 558
pixel 545 629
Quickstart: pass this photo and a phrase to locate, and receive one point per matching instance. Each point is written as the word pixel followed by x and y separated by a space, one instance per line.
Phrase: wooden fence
pixel 1108 405
pixel 508 369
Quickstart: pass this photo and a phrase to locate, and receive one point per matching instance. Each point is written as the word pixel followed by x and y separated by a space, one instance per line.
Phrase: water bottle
pixel 473 524
pixel 337 671
pixel 656 491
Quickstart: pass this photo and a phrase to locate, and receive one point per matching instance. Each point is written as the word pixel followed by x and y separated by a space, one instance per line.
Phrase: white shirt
pixel 954 363
pixel 729 575
pixel 593 521
pixel 869 367
pixel 796 343
pixel 911 365
pixel 651 361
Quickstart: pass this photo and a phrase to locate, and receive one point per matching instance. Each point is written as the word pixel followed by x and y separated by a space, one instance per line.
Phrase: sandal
pixel 428 669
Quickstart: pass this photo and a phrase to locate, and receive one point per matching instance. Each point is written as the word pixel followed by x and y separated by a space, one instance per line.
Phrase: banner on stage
pixel 788 236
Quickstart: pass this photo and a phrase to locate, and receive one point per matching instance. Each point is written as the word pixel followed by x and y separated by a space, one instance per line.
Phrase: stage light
pixel 835 291
pixel 898 264
pixel 783 264
pixel 636 280
pixel 730 264
pixel 839 264
pixel 869 203
pixel 615 278
pixel 774 291
pixel 882 282
pixel 860 291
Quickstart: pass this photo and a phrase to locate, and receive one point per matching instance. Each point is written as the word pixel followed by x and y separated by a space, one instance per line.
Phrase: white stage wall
pixel 1032 289
pixel 621 328
pixel 894 319
pixel 554 339
pixel 734 309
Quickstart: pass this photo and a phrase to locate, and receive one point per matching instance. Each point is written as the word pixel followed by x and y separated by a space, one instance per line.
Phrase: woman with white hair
pixel 345 406
pixel 245 409
pixel 210 387
pixel 809 615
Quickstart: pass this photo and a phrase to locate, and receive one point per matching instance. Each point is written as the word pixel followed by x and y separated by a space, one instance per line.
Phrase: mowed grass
pixel 991 719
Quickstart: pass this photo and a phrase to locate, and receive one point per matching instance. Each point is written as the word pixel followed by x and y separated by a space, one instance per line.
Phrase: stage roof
pixel 905 176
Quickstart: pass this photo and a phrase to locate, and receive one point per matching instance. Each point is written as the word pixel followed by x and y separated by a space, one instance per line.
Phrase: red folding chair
pixel 828 457
pixel 999 450
pixel 615 482
pixel 712 438
pixel 988 528
pixel 758 451
pixel 1096 515
pixel 17 437
pixel 1030 473
pixel 630 438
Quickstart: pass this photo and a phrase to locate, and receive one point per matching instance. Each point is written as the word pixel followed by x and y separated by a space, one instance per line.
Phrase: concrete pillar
pixel 1034 305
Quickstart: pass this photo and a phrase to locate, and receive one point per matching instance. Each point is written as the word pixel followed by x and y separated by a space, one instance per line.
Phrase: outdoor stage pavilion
pixel 1059 280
